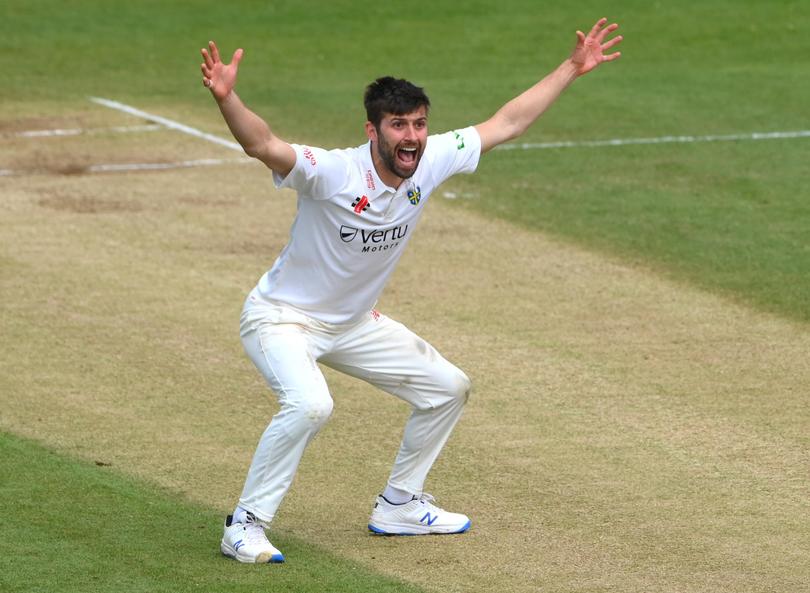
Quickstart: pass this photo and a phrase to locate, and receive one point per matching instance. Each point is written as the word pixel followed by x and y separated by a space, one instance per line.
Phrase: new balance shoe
pixel 247 542
pixel 417 517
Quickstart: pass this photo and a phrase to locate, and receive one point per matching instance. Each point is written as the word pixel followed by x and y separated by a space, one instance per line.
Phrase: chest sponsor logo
pixel 360 204
pixel 347 233
pixel 370 180
pixel 374 240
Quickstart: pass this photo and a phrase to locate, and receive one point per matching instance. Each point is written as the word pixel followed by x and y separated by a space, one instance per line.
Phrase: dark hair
pixel 393 95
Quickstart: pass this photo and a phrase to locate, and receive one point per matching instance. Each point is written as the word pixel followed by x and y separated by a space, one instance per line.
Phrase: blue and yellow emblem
pixel 414 195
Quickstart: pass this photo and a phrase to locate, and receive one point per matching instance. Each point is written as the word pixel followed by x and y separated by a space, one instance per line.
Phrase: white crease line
pixel 524 146
pixel 659 140
pixel 80 131
pixel 124 167
pixel 166 122
pixel 118 167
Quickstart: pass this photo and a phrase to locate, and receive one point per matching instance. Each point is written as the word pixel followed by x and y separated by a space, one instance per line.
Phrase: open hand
pixel 219 78
pixel 589 51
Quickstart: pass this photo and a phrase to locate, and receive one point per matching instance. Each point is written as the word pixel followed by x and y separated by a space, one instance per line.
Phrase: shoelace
pixel 428 500
pixel 254 532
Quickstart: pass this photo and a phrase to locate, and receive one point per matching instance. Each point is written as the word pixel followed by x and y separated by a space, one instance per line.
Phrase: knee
pixel 318 412
pixel 311 413
pixel 462 387
pixel 456 386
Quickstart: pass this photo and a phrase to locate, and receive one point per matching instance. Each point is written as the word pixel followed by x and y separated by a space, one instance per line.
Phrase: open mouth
pixel 407 155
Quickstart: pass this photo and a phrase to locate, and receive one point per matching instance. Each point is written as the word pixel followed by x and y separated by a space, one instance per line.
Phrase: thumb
pixel 237 57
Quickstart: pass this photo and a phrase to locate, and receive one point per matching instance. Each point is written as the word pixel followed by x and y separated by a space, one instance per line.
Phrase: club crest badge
pixel 414 194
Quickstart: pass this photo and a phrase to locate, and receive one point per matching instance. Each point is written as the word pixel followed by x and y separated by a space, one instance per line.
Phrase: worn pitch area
pixel 625 432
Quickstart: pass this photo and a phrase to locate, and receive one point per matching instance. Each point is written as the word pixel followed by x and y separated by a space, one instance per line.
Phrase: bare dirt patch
pixel 625 433
pixel 82 154
pixel 10 127
pixel 88 205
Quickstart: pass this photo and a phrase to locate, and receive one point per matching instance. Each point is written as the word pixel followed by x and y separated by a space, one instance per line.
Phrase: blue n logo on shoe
pixel 238 545
pixel 429 519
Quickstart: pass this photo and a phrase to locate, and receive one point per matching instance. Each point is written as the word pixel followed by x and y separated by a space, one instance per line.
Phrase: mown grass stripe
pixel 74 526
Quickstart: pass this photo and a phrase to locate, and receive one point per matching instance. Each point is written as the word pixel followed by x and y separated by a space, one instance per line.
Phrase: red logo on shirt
pixel 370 180
pixel 309 156
pixel 360 204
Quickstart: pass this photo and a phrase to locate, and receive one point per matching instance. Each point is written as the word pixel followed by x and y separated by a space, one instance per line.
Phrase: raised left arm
pixel 514 118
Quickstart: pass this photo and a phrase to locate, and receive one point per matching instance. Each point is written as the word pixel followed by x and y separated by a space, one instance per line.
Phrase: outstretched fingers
pixel 597 27
pixel 610 43
pixel 206 68
pixel 219 77
pixel 214 51
pixel 600 37
pixel 591 49
pixel 600 32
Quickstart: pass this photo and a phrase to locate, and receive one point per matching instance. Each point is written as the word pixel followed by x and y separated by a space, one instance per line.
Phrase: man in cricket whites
pixel 357 209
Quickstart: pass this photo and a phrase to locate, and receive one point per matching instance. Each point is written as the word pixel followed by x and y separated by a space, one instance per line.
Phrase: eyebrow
pixel 396 118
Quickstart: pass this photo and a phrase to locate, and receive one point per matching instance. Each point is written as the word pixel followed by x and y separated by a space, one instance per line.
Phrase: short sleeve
pixel 317 174
pixel 453 152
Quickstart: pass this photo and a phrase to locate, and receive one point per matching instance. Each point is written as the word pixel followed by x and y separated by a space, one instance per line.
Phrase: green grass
pixel 75 526
pixel 712 214
pixel 729 217
pixel 732 217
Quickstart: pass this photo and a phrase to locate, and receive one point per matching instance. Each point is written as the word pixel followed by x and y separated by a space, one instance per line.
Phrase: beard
pixel 390 156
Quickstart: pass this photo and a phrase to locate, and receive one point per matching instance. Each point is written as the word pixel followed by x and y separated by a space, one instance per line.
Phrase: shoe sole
pixel 404 530
pixel 263 558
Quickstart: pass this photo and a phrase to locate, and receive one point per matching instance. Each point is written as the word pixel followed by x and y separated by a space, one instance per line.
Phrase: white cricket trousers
pixel 285 345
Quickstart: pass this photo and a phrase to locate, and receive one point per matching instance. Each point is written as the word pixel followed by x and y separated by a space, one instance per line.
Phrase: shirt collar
pixel 374 184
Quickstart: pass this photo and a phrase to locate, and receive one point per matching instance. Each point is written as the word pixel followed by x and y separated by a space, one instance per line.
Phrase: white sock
pixel 239 515
pixel 396 496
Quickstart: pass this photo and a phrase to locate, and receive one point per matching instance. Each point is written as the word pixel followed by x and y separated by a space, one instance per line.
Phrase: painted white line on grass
pixel 120 167
pixel 125 167
pixel 521 146
pixel 166 122
pixel 80 131
pixel 659 140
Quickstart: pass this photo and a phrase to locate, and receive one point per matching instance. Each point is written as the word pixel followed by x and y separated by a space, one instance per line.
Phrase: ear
pixel 371 132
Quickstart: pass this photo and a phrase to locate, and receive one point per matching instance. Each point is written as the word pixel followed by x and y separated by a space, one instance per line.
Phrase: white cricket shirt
pixel 351 229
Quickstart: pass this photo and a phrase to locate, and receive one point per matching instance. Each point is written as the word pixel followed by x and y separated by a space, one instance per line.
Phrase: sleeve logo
pixel 459 140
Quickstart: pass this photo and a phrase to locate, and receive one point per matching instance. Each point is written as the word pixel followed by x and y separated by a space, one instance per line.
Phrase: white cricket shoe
pixel 247 542
pixel 417 517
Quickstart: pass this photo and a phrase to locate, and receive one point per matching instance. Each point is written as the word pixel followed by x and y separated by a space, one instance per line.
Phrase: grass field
pixel 634 317
pixel 84 528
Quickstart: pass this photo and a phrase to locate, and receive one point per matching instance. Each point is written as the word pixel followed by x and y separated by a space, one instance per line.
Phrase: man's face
pixel 400 141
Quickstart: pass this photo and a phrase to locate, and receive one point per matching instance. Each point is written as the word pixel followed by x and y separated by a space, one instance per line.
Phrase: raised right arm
pixel 251 131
